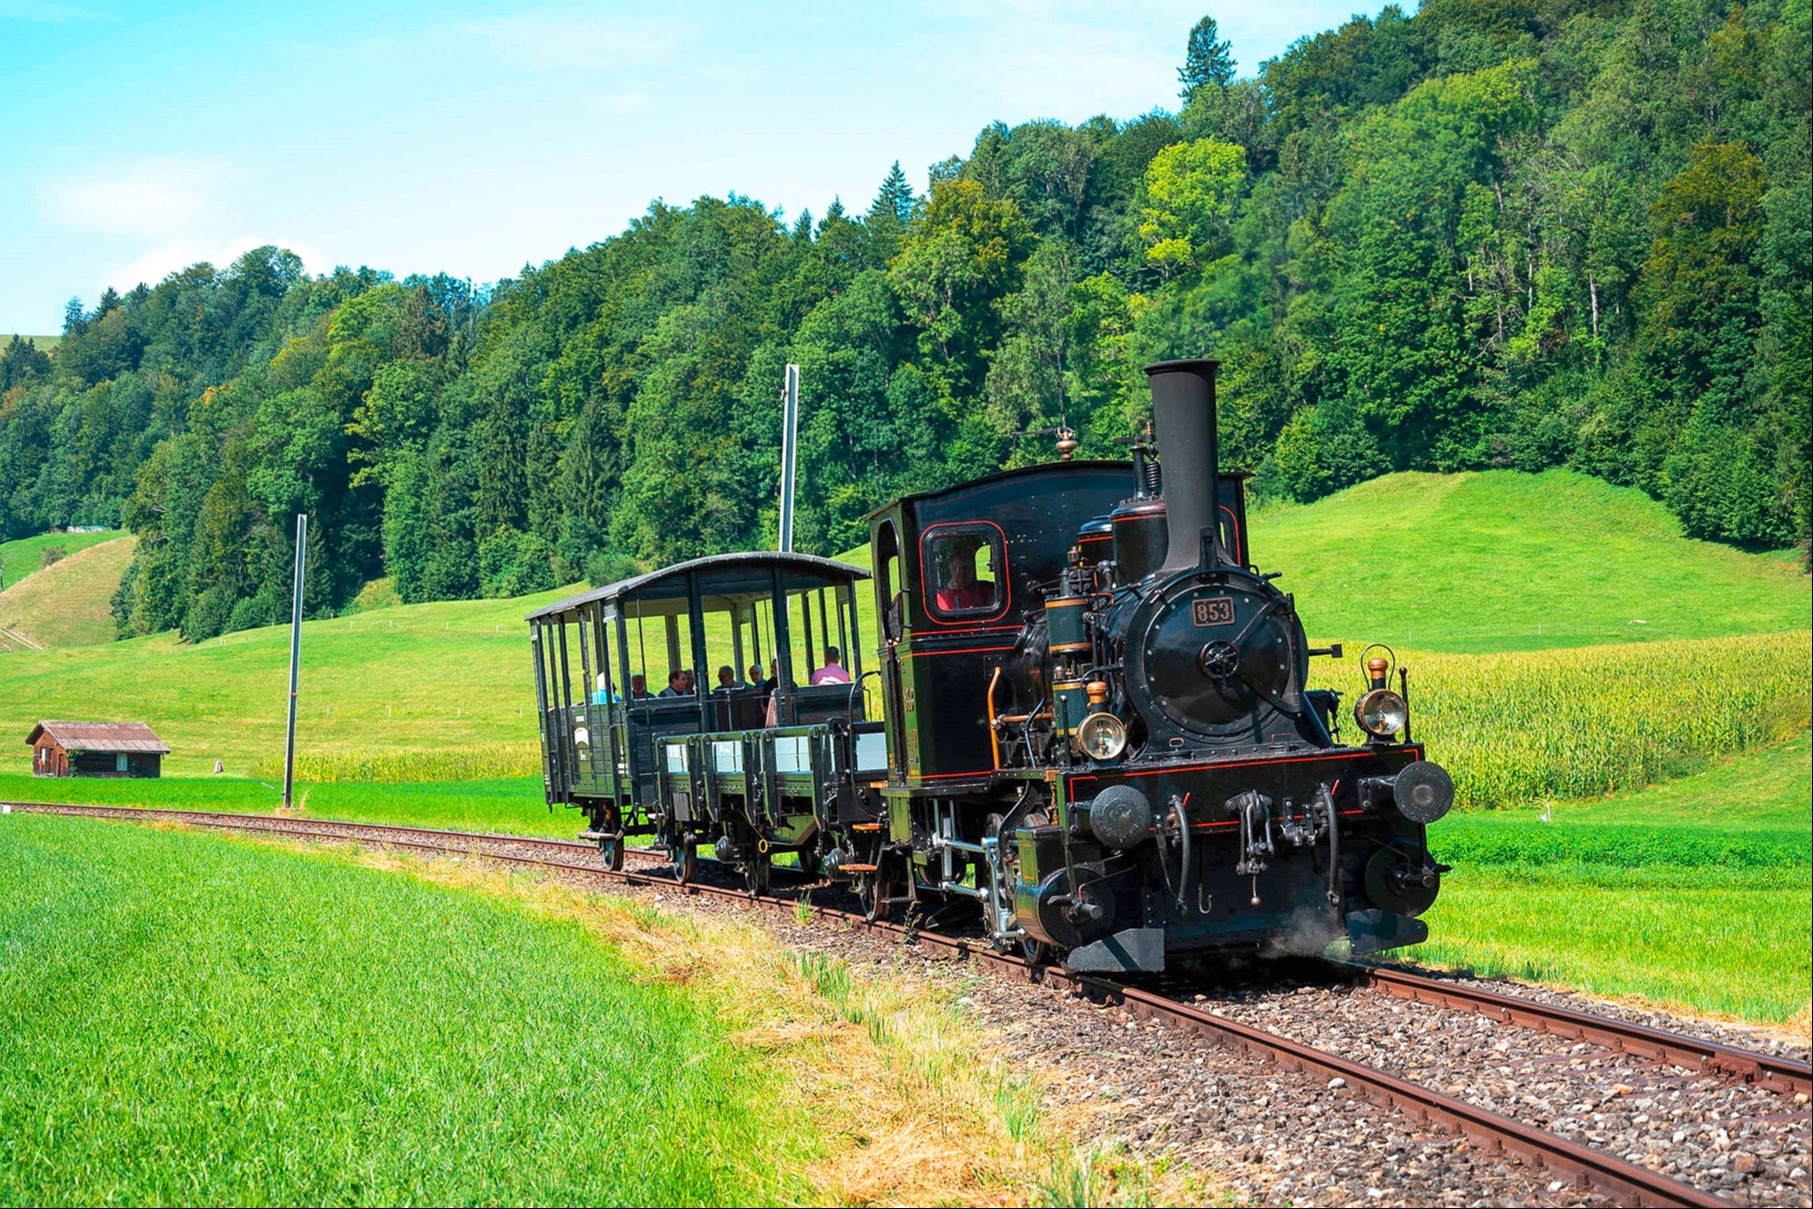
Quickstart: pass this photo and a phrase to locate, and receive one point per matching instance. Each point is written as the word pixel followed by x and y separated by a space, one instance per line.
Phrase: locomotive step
pixel 857 868
pixel 865 826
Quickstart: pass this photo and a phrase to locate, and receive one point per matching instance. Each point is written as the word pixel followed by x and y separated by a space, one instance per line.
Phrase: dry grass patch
pixel 900 1098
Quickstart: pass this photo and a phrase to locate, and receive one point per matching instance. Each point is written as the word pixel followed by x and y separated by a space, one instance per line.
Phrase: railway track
pixel 1671 1049
pixel 1608 1175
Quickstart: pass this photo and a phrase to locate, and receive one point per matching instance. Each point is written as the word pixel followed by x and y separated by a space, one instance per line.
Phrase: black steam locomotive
pixel 1096 736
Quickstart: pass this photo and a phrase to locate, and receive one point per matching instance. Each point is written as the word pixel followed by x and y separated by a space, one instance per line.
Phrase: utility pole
pixel 789 454
pixel 289 747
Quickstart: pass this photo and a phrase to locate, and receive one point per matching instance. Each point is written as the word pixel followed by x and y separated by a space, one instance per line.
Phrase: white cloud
pixel 155 198
pixel 534 43
pixel 173 209
pixel 159 262
pixel 623 102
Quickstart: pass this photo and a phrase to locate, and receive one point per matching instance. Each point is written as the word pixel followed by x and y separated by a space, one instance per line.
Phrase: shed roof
pixel 100 736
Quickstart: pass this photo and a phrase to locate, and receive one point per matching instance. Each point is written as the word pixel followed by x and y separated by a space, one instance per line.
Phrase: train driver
pixel 961 590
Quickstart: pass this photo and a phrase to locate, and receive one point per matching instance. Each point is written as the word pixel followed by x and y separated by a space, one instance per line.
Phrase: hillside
pixel 1503 561
pixel 1464 564
pixel 1499 560
pixel 68 603
pixel 25 556
pixel 419 678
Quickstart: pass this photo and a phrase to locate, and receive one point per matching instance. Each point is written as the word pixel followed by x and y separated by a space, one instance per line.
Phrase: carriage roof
pixel 722 581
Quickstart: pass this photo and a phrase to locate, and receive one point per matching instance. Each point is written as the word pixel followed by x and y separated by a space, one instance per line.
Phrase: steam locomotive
pixel 1095 740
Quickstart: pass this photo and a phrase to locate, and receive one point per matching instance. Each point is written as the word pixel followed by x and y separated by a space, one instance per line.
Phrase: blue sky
pixel 474 139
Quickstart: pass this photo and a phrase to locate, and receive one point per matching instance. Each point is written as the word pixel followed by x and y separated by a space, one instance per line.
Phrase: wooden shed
pixel 96 749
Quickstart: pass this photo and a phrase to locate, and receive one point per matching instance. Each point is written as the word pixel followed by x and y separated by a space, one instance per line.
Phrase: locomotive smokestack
pixel 1183 416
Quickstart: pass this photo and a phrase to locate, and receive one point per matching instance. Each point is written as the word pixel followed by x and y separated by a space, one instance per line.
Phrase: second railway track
pixel 1613 1177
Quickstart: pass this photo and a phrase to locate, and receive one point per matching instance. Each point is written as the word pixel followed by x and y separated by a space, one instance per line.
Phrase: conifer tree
pixel 1207 61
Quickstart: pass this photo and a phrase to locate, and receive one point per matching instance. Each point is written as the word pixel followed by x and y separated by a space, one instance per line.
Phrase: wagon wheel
pixel 1035 952
pixel 686 861
pixel 612 849
pixel 874 889
pixel 809 860
pixel 756 872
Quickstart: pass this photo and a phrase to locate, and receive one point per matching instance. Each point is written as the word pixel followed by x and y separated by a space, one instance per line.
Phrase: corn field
pixel 1535 726
pixel 1525 727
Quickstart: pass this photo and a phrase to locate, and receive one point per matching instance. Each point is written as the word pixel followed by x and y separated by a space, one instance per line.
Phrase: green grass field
pixel 191 1018
pixel 69 602
pixel 1696 893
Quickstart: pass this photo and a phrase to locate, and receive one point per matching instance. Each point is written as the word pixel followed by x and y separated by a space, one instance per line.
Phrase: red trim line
pixel 968 650
pixel 1234 528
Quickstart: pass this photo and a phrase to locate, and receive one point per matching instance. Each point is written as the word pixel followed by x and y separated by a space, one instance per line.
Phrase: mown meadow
pixel 193 1018
pixel 1693 893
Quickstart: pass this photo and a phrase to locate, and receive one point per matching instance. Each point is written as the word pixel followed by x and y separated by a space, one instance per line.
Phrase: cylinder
pixel 1183 419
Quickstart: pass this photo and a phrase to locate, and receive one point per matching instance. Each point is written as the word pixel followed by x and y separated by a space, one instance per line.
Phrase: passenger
pixel 833 671
pixel 638 687
pixel 755 675
pixel 727 679
pixel 604 695
pixel 961 591
pixel 771 716
pixel 678 684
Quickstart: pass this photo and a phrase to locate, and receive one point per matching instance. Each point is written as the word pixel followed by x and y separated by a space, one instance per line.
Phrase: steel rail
pixel 249 821
pixel 1675 1049
pixel 1611 1176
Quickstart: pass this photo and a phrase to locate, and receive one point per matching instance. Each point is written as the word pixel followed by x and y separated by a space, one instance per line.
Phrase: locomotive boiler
pixel 1097 740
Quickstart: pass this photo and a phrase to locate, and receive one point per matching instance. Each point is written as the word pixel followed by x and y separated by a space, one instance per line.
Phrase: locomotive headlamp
pixel 1381 713
pixel 1102 737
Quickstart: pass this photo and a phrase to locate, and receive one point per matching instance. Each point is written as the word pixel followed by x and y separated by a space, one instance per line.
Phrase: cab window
pixel 963 572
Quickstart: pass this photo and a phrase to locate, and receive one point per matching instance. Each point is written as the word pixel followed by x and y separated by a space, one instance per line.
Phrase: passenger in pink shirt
pixel 832 672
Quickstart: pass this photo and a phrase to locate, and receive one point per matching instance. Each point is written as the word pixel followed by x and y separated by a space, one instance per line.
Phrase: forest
pixel 1495 233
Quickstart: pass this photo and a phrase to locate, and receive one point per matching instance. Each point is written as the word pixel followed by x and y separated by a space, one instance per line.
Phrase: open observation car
pixel 653 725
pixel 1097 737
